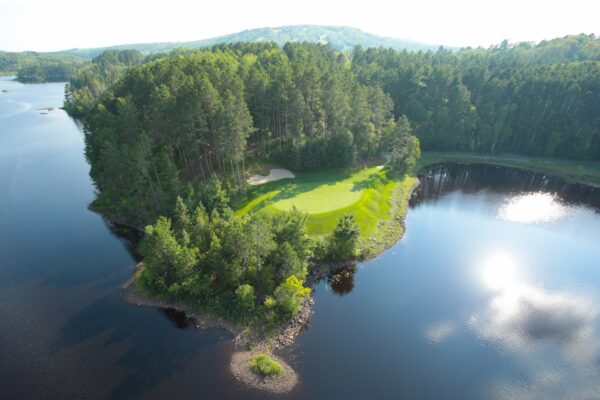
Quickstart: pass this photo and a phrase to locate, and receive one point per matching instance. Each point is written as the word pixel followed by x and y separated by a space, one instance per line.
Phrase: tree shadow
pixel 373 181
pixel 87 264
pixel 342 282
pixel 154 350
pixel 293 188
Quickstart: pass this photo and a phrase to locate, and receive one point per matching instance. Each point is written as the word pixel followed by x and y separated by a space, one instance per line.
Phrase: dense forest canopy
pixel 250 270
pixel 172 123
pixel 88 82
pixel 539 101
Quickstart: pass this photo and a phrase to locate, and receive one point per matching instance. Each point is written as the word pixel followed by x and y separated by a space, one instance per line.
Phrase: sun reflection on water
pixel 499 271
pixel 533 208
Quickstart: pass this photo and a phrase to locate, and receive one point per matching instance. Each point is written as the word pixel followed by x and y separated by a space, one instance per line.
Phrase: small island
pixel 263 371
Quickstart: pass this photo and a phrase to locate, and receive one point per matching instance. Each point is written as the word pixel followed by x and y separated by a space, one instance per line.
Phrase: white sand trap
pixel 274 175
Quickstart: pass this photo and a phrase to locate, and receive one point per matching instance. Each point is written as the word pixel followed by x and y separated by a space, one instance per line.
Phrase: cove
pixel 477 301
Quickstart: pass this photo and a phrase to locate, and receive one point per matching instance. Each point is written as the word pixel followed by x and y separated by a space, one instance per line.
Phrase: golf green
pixel 325 196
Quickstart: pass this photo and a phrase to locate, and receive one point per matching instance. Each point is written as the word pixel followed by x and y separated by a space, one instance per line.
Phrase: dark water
pixel 493 293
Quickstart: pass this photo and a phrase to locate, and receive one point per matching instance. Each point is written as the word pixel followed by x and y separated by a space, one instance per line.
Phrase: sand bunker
pixel 274 175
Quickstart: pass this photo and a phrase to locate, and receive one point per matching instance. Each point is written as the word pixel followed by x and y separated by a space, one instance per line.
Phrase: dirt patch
pixel 274 175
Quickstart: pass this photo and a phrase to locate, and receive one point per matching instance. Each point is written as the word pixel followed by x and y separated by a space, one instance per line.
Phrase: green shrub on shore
pixel 344 243
pixel 264 365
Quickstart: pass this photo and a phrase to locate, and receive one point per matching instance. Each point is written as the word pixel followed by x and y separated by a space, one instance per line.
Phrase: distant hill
pixel 339 37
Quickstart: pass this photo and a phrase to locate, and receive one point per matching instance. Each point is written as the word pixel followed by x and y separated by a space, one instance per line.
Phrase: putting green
pixel 325 196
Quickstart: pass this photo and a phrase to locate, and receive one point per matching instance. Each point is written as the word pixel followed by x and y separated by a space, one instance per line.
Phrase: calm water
pixel 493 293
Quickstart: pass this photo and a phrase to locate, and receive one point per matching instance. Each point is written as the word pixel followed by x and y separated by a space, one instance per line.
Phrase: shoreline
pixel 247 344
pixel 286 335
pixel 583 172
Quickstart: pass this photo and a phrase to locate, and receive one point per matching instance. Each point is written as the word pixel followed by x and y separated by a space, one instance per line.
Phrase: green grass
pixel 263 364
pixel 391 229
pixel 327 195
pixel 587 172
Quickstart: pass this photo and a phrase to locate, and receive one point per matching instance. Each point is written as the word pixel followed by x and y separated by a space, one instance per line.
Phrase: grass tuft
pixel 264 365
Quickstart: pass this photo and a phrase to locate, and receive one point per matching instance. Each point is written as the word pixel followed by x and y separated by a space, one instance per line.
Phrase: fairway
pixel 325 196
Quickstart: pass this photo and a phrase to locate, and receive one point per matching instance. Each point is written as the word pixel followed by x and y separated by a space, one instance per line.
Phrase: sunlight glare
pixel 499 271
pixel 533 208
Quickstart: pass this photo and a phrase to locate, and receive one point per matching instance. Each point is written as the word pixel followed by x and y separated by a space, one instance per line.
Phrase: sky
pixel 48 25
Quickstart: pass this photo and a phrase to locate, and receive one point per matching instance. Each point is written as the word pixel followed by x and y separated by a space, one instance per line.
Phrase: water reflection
pixel 178 318
pixel 522 315
pixel 533 208
pixel 441 179
pixel 499 271
pixel 154 351
pixel 342 282
pixel 440 332
pixel 536 325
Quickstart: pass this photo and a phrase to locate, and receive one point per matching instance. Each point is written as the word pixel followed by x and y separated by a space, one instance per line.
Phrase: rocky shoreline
pixel 285 336
pixel 131 295
pixel 239 365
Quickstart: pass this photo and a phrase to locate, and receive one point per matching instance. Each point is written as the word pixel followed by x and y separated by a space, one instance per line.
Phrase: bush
pixel 321 248
pixel 345 238
pixel 263 364
pixel 245 300
pixel 289 295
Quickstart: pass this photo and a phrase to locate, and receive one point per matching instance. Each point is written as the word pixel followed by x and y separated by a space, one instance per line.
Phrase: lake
pixel 493 293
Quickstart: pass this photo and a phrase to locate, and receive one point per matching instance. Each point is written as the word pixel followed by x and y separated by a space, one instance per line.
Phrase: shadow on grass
pixel 371 182
pixel 290 188
pixel 309 181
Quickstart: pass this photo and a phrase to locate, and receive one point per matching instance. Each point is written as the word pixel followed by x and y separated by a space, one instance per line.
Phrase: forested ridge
pixel 39 67
pixel 168 137
pixel 58 66
pixel 341 38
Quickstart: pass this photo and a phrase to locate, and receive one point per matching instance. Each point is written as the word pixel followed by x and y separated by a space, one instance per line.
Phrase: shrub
pixel 263 364
pixel 245 300
pixel 345 238
pixel 289 295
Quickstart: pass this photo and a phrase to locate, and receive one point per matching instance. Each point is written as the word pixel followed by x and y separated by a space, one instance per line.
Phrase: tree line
pixel 166 121
pixel 524 99
pixel 39 67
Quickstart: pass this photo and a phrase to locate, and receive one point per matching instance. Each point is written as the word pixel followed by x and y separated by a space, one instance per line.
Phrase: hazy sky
pixel 46 25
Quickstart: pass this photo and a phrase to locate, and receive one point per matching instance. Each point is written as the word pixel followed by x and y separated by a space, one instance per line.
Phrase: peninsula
pixel 254 169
